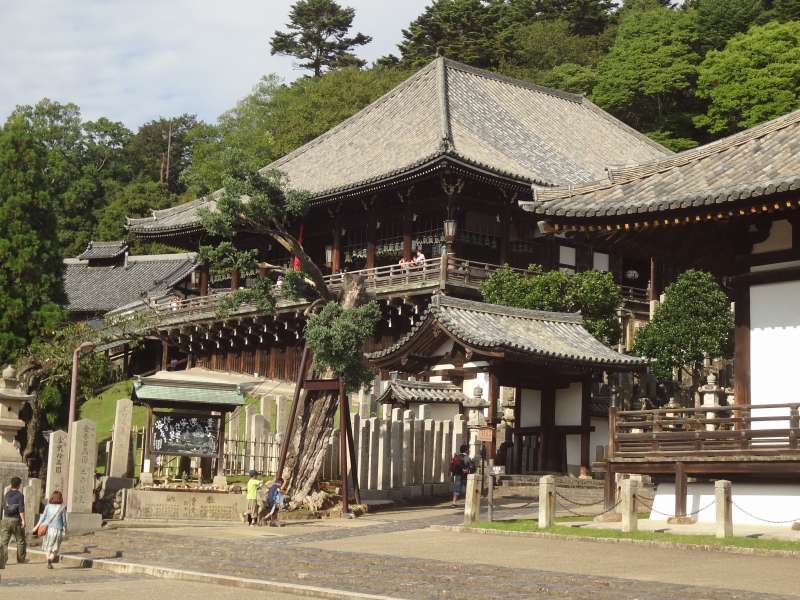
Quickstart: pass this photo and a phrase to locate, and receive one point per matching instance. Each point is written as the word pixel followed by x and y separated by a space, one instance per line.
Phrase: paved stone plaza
pixel 396 554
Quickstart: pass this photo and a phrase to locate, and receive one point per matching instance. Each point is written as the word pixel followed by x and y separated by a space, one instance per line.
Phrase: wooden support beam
pixel 494 395
pixel 336 258
pixel 742 343
pixel 203 284
pixel 407 231
pixel 235 279
pixel 681 489
pixel 586 420
pixel 372 231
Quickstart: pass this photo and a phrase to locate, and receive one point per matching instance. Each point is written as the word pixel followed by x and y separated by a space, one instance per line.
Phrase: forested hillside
pixel 684 75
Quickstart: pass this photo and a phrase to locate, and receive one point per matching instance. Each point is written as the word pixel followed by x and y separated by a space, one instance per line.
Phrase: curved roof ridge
pixel 505 310
pixel 628 173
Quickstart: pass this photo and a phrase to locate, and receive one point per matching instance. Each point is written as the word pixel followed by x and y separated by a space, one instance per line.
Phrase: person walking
pixel 460 466
pixel 52 526
pixel 13 523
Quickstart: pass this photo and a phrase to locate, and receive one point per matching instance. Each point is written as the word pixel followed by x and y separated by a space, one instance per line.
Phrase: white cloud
pixel 133 61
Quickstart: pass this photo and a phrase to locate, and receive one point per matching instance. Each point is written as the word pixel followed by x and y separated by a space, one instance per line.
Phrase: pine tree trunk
pixel 314 422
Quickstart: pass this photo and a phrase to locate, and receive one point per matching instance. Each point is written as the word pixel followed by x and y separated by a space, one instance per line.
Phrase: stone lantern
pixel 12 399
pixel 475 420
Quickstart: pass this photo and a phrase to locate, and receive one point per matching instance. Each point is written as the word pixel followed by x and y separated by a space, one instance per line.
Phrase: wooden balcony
pixel 762 432
pixel 383 282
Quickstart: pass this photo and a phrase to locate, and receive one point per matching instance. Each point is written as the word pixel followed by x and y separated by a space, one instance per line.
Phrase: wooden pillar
pixel 235 279
pixel 494 395
pixel 505 226
pixel 741 359
pixel 681 489
pixel 221 446
pixel 609 488
pixel 203 269
pixel 655 283
pixel 372 231
pixel 407 232
pixel 164 354
pixel 336 257
pixel 547 459
pixel 586 421
pixel 343 439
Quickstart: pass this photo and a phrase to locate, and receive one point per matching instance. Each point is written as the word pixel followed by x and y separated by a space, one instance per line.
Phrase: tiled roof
pixel 759 161
pixel 430 392
pixel 103 250
pixel 492 327
pixel 507 127
pixel 156 389
pixel 103 288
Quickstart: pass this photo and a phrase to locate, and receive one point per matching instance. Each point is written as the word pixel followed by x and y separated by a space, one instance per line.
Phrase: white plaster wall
pixel 530 408
pixel 568 405
pixel 780 238
pixel 774 344
pixel 599 437
pixel 441 412
pixel 774 502
pixel 573 452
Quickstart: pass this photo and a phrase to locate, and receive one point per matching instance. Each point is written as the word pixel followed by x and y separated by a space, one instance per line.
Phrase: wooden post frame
pixel 301 374
pixel 344 419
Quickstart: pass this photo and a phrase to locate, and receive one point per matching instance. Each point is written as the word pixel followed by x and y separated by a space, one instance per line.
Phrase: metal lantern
pixel 450 234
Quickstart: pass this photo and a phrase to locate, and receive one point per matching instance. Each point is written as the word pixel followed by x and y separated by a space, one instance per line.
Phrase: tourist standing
pixel 419 259
pixel 460 467
pixel 274 501
pixel 52 525
pixel 253 484
pixel 13 523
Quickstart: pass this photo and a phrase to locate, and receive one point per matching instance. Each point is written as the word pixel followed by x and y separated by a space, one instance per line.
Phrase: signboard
pixel 485 434
pixel 186 435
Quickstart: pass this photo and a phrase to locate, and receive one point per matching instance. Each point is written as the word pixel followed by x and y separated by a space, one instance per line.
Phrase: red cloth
pixel 296 261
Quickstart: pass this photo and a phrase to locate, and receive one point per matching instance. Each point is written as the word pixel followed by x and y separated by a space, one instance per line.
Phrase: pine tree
pixel 317 35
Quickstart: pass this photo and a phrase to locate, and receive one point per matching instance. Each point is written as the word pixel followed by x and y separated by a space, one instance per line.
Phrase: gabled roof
pixel 103 250
pixel 509 128
pixel 400 391
pixel 759 161
pixel 542 336
pixel 155 390
pixel 99 289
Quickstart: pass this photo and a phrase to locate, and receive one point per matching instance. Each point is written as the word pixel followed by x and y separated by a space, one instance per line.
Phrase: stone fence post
pixel 547 501
pixel 628 505
pixel 472 499
pixel 723 497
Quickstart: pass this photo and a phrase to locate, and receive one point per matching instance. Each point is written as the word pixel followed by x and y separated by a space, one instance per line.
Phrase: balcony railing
pixel 379 280
pixel 746 429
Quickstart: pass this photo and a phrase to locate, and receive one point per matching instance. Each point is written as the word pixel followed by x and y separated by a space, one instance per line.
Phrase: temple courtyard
pixel 400 553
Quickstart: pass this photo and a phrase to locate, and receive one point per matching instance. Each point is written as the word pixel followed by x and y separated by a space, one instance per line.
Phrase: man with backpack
pixel 460 466
pixel 274 501
pixel 13 523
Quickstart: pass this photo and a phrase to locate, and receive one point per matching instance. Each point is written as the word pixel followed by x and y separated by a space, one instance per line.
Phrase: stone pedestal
pixel 724 508
pixel 220 482
pixel 121 438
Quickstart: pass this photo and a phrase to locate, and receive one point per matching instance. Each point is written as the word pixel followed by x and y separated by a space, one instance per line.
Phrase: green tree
pixel 336 335
pixel 464 30
pixel 756 77
pixel 693 321
pixel 31 289
pixel 720 20
pixel 593 293
pixel 786 10
pixel 570 77
pixel 587 17
pixel 317 34
pixel 161 150
pixel 648 76
pixel 135 199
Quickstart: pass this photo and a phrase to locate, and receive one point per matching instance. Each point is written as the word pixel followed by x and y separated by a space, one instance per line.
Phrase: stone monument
pixel 121 437
pixel 12 398
pixel 57 456
pixel 82 462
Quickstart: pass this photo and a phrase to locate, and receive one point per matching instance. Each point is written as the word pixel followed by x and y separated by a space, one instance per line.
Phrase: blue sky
pixel 133 61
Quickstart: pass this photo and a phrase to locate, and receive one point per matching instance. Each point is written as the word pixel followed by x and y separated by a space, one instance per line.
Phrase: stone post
pixel 364 443
pixel 472 499
pixel 547 501
pixel 436 456
pixel 396 445
pixel 459 434
pixel 374 453
pixel 33 502
pixel 408 448
pixel 419 451
pixel 428 440
pixel 57 455
pixel 724 508
pixel 266 405
pixel 258 431
pixel 364 404
pixel 630 523
pixel 82 462
pixel 447 449
pixel 282 417
pixel 355 427
pixel 385 455
pixel 121 439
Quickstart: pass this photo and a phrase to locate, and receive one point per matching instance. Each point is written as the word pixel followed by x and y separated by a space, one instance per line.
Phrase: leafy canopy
pixel 693 321
pixel 593 293
pixel 756 77
pixel 317 35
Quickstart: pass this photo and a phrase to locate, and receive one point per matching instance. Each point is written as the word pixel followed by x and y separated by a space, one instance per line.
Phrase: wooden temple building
pixel 441 161
pixel 730 207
